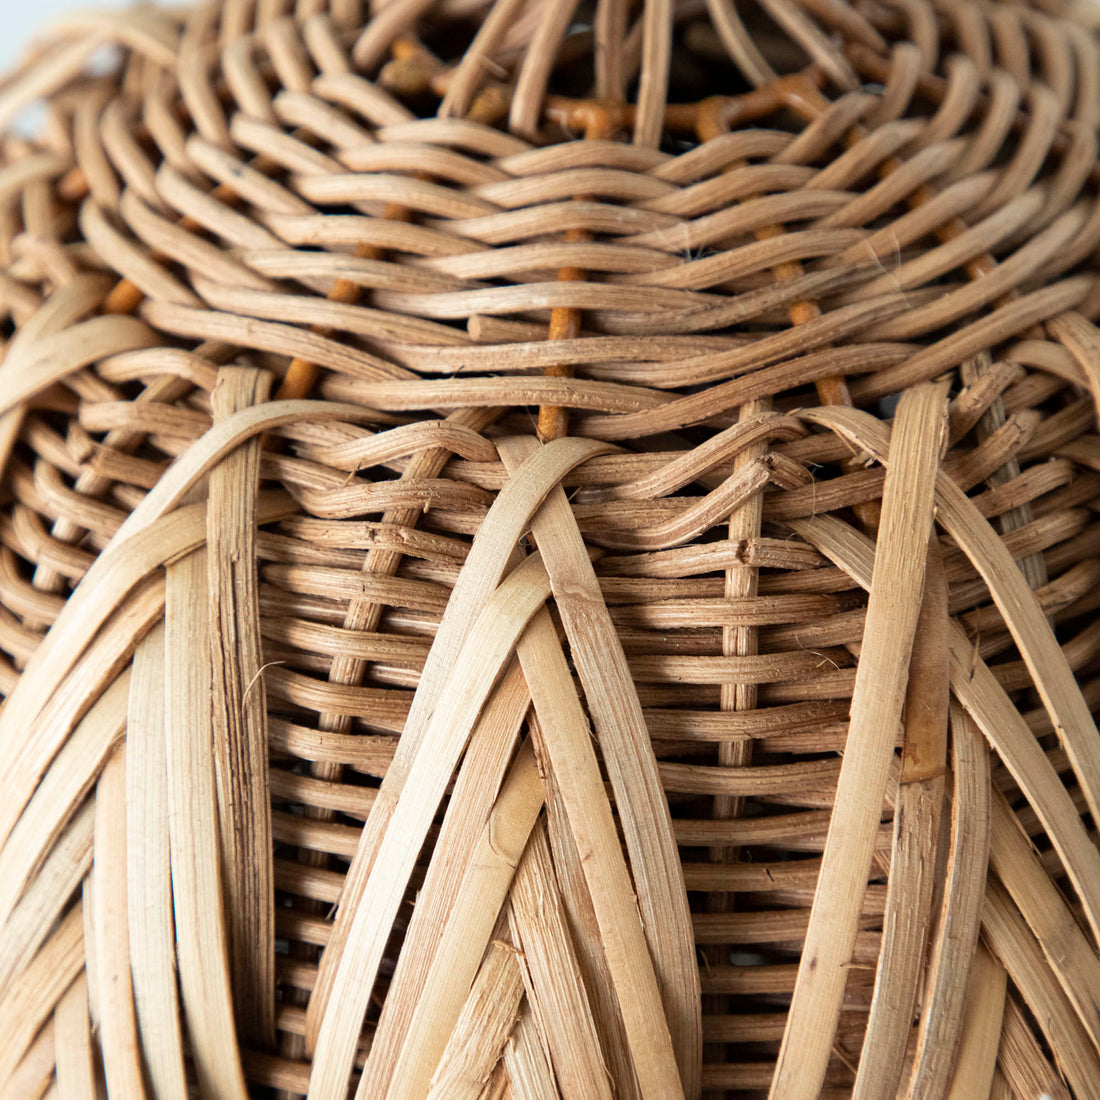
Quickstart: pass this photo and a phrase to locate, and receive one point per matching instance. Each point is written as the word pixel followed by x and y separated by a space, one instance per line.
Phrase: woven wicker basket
pixel 551 549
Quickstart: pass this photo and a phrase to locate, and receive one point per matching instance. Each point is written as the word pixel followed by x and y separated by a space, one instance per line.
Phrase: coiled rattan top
pixel 551 549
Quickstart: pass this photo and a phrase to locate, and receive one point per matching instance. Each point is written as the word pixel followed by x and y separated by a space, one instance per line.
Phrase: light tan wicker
pixel 551 549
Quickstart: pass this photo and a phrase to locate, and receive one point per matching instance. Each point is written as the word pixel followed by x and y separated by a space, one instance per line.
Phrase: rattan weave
pixel 550 548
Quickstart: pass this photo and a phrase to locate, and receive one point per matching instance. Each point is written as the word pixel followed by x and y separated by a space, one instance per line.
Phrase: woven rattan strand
pixel 551 549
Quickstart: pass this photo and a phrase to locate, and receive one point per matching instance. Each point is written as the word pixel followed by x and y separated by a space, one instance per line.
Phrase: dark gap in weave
pixel 449 39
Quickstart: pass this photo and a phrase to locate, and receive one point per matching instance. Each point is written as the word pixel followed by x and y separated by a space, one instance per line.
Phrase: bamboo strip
pixel 981 1030
pixel 148 32
pixel 47 895
pixel 50 73
pixel 610 26
pixel 1072 960
pixel 1023 1062
pixel 551 975
pixel 32 1078
pixel 75 1070
pixel 739 43
pixel 1042 655
pixel 565 322
pixel 445 734
pixel 762 357
pixel 795 21
pixel 116 571
pixel 1044 658
pixel 484 567
pixel 566 748
pixel 977 690
pixel 132 262
pixel 491 746
pixel 365 614
pixel 528 1063
pixel 1010 939
pixel 585 931
pixel 114 995
pixel 201 944
pixel 477 905
pixel 95 483
pixel 137 606
pixel 944 1011
pixel 913 862
pixel 239 714
pixel 30 1000
pixel 89 951
pixel 628 755
pixel 62 791
pixel 876 707
pixel 148 874
pixel 499 1086
pixel 487 1019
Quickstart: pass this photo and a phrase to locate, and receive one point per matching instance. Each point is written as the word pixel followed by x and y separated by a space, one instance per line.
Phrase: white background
pixel 21 19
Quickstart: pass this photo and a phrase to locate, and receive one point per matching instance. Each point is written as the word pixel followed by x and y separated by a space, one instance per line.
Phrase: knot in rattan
pixel 551 549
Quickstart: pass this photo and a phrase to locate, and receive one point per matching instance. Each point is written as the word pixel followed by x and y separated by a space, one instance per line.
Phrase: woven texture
pixel 551 549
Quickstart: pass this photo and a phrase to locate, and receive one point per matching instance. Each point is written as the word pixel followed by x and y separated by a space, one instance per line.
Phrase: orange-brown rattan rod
pixel 551 549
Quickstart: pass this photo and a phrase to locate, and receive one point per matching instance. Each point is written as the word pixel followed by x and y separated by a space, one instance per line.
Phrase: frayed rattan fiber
pixel 551 549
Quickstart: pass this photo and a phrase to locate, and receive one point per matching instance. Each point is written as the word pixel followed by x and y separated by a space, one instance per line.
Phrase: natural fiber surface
pixel 551 549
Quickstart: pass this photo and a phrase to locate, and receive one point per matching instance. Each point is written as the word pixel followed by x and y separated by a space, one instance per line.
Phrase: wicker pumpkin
pixel 551 549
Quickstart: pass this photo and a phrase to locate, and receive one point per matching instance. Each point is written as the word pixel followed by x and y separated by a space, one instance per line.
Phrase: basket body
pixel 551 550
